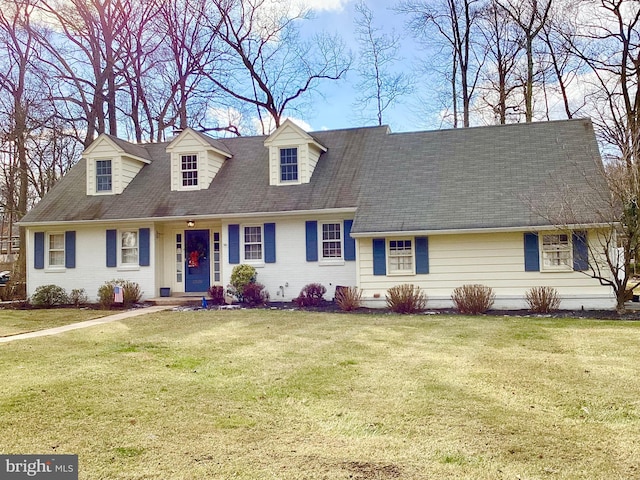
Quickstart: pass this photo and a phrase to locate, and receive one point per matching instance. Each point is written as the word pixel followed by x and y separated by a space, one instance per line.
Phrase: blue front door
pixel 197 270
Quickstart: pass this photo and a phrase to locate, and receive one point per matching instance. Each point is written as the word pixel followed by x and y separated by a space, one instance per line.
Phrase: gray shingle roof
pixel 130 148
pixel 424 181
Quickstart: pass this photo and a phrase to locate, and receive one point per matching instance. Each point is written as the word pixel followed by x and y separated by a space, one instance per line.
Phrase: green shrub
pixel 254 294
pixel 473 299
pixel 406 298
pixel 131 293
pixel 348 298
pixel 47 296
pixel 216 293
pixel 311 295
pixel 78 297
pixel 241 275
pixel 542 299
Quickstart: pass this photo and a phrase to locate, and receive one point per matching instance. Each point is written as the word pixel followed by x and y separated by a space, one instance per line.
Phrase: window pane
pixel 400 256
pixel 288 164
pixel 556 250
pixel 56 242
pixel 252 234
pixel 103 175
pixel 189 167
pixel 129 247
pixel 56 250
pixel 130 239
pixel 331 244
pixel 56 258
pixel 253 252
pixel 130 255
pixel 253 243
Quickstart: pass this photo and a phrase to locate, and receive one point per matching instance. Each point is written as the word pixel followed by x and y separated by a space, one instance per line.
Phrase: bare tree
pixel 266 64
pixel 607 40
pixel 84 51
pixel 140 45
pixel 503 48
pixel 378 53
pixel 455 22
pixel 531 16
pixel 19 50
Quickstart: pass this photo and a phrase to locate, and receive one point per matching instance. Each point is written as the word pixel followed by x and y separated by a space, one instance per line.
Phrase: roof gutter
pixel 177 218
pixel 531 228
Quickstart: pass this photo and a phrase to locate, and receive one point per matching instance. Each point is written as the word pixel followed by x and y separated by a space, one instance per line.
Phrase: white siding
pixel 209 162
pixel 123 168
pixel 101 150
pixel 308 154
pixel 91 271
pixel 291 270
pixel 129 168
pixel 214 163
pixel 495 260
pixel 314 155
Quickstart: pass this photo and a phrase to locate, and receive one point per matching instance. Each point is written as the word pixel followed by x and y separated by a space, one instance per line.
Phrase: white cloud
pixel 324 5
pixel 270 126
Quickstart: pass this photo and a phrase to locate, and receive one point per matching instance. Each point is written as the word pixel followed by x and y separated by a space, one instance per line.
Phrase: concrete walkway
pixel 89 323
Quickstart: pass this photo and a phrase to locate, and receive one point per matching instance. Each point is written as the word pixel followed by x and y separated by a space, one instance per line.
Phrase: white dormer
pixel 195 160
pixel 293 155
pixel 112 164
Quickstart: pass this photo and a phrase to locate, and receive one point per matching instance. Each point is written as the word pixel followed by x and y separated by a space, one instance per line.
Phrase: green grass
pixel 263 394
pixel 13 322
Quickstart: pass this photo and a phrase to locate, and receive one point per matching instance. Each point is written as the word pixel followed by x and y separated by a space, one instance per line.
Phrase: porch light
pixel 191 223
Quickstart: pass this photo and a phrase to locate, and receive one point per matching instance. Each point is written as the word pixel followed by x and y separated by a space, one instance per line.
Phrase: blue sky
pixel 336 109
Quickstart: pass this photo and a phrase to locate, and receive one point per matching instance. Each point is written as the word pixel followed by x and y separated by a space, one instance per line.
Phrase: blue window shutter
pixel 270 243
pixel 144 237
pixel 422 255
pixel 379 257
pixel 112 248
pixel 311 228
pixel 531 253
pixel 234 244
pixel 70 249
pixel 38 250
pixel 580 251
pixel 349 243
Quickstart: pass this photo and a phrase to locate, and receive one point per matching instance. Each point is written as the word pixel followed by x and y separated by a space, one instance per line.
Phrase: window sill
pixel 128 268
pixel 560 269
pixel 408 273
pixel 330 263
pixel 55 270
pixel 254 263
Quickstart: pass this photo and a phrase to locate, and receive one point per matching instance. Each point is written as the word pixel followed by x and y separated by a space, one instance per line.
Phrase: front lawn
pixel 13 322
pixel 269 394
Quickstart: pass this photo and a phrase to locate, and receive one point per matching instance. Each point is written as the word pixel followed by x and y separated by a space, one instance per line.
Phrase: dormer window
pixel 112 163
pixel 103 176
pixel 195 160
pixel 293 155
pixel 288 164
pixel 189 168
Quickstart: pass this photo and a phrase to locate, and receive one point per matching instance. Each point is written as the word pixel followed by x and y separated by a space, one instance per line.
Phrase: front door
pixel 197 278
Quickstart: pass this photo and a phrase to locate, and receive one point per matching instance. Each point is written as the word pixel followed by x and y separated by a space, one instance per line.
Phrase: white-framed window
pixel 129 247
pixel 104 178
pixel 252 243
pixel 189 170
pixel 55 250
pixel 400 256
pixel 556 251
pixel 331 240
pixel 289 164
